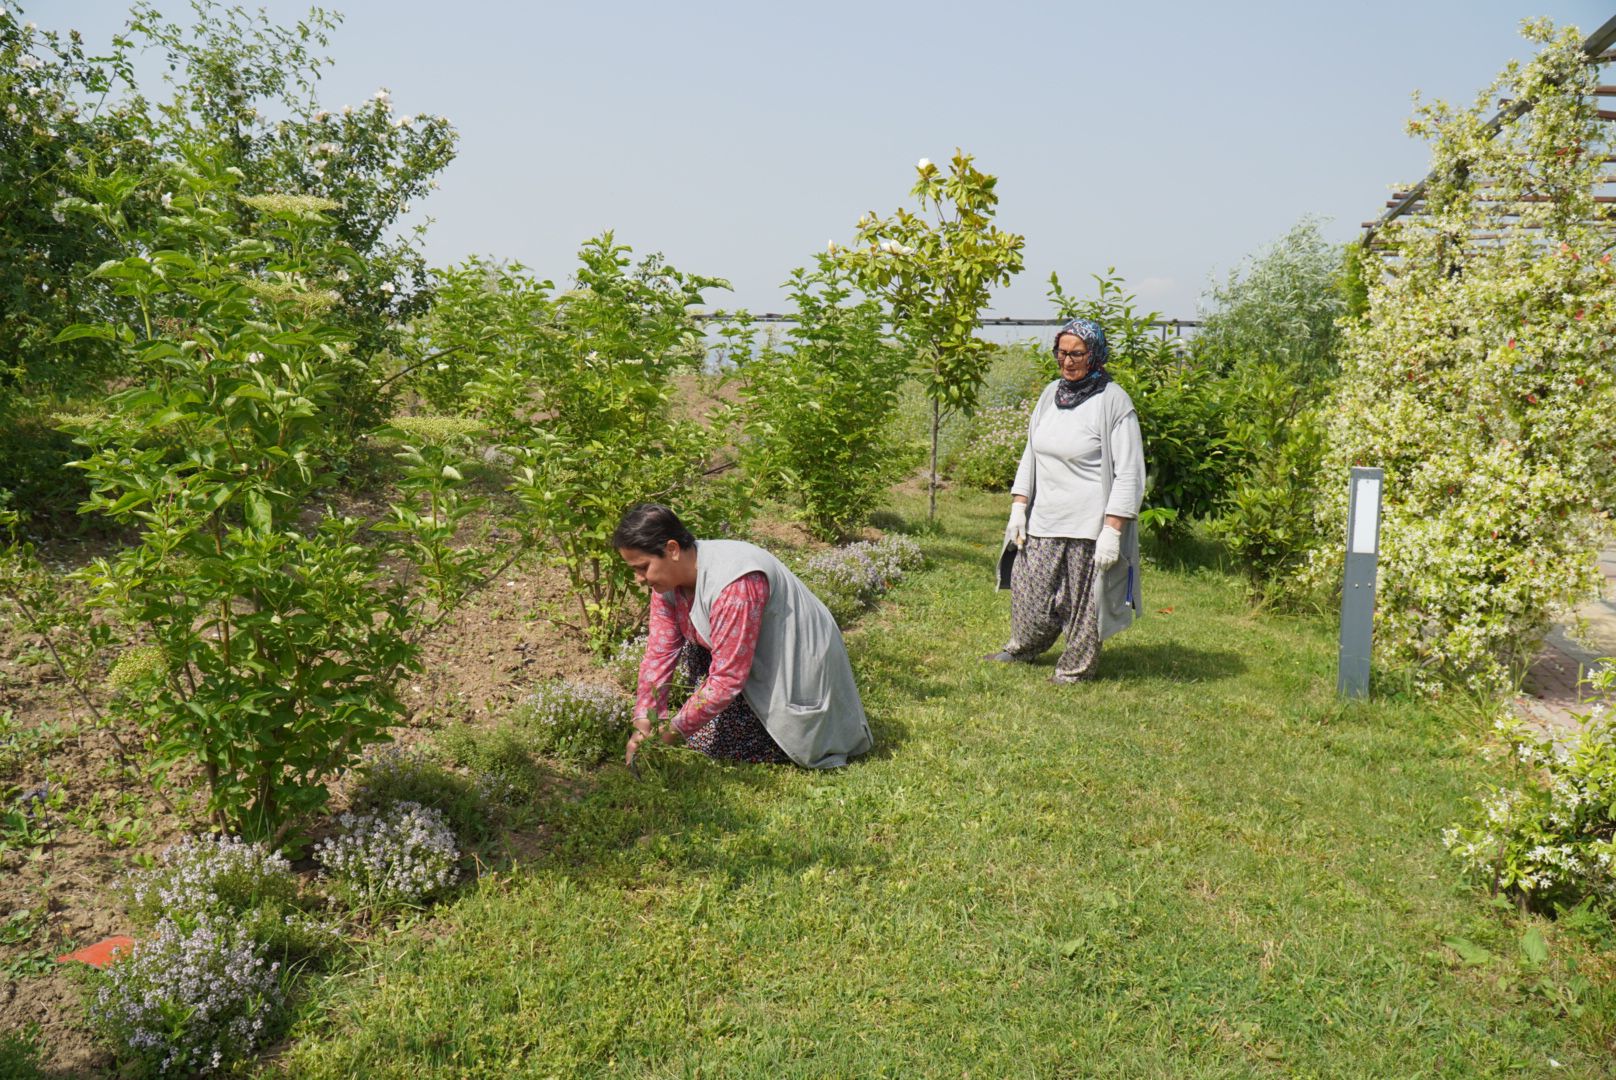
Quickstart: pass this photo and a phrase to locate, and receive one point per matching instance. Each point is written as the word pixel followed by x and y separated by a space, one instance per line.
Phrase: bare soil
pixel 488 655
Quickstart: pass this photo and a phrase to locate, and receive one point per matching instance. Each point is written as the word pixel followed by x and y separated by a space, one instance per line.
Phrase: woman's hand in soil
pixel 642 731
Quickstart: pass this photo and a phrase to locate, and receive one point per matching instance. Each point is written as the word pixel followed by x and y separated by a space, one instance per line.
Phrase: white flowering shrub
pixel 1549 839
pixel 189 999
pixel 401 856
pixel 1483 380
pixel 575 721
pixel 211 874
pixel 994 438
pixel 203 878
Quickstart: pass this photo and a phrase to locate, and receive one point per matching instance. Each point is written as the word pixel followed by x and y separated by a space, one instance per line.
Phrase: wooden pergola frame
pixel 1598 49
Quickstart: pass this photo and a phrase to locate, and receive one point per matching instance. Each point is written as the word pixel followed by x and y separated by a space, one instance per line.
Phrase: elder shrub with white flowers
pixel 1483 380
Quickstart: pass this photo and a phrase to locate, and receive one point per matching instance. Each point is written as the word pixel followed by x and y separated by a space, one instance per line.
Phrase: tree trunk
pixel 936 419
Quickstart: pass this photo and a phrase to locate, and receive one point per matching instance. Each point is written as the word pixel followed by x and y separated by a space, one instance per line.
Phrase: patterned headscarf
pixel 1070 394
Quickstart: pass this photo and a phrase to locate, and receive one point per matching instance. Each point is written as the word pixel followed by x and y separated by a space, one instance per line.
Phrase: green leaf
pixel 1533 947
pixel 1468 951
pixel 258 512
pixel 85 330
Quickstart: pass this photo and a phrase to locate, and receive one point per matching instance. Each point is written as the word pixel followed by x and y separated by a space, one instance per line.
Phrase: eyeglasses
pixel 1061 355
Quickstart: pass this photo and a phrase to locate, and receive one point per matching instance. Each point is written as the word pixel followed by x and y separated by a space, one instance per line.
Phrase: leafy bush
pixel 993 442
pixel 1483 381
pixel 399 856
pixel 820 405
pixel 246 99
pixel 607 437
pixel 1272 334
pixel 578 722
pixel 1549 841
pixel 190 998
pixel 257 620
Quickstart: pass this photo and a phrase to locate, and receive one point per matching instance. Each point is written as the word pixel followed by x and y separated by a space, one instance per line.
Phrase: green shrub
pixel 247 618
pixel 850 579
pixel 1272 333
pixel 577 722
pixel 501 766
pixel 608 437
pixel 994 439
pixel 820 405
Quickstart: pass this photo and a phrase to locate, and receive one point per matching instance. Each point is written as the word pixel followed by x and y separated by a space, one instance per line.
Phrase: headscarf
pixel 1072 393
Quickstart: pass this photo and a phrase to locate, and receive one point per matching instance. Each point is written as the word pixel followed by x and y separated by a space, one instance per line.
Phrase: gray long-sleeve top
pixel 1068 457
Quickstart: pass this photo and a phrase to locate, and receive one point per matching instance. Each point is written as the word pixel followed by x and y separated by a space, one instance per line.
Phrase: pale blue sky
pixel 1168 139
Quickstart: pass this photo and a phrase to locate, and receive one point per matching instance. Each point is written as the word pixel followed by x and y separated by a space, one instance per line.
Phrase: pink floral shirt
pixel 735 619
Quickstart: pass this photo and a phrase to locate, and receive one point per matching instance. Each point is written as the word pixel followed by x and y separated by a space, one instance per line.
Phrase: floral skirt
pixel 736 734
pixel 1053 589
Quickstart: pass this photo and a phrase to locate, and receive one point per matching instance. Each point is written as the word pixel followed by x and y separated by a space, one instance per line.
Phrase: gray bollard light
pixel 1358 588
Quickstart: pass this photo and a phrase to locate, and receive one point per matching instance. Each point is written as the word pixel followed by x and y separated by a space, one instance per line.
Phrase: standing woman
pixel 1071 551
pixel 775 682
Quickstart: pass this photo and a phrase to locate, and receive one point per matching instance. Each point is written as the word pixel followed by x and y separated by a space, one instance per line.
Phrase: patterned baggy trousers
pixel 1053 588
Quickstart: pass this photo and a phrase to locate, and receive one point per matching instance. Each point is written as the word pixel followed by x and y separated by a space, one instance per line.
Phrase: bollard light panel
pixel 1365 514
pixel 1358 585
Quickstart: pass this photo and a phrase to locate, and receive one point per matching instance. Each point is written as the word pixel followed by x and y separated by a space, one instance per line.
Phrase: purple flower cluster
pixel 189 1001
pixel 866 568
pixel 401 855
pixel 579 721
pixel 218 874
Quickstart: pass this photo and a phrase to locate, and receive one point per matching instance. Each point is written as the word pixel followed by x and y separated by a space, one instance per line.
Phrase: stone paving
pixel 1552 692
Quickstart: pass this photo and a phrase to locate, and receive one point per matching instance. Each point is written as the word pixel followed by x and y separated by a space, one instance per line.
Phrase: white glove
pixel 1108 548
pixel 1016 531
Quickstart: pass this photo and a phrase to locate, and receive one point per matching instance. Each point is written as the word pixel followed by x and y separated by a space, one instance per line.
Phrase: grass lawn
pixel 1200 866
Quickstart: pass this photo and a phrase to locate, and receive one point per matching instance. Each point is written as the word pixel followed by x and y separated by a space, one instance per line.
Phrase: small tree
pixel 253 644
pixel 819 406
pixel 594 431
pixel 937 269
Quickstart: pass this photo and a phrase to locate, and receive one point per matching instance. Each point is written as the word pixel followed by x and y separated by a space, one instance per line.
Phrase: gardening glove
pixel 1016 532
pixel 1107 549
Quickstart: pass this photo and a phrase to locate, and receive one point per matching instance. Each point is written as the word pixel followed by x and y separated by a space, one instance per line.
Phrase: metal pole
pixel 1358 586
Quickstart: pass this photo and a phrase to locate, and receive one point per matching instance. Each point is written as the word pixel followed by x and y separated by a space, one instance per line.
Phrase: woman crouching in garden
pixel 775 684
pixel 1071 549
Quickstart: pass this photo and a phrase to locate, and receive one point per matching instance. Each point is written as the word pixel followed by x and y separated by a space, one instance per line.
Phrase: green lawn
pixel 1199 866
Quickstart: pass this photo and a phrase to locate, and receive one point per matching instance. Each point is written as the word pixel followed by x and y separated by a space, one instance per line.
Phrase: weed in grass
pixel 23 930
